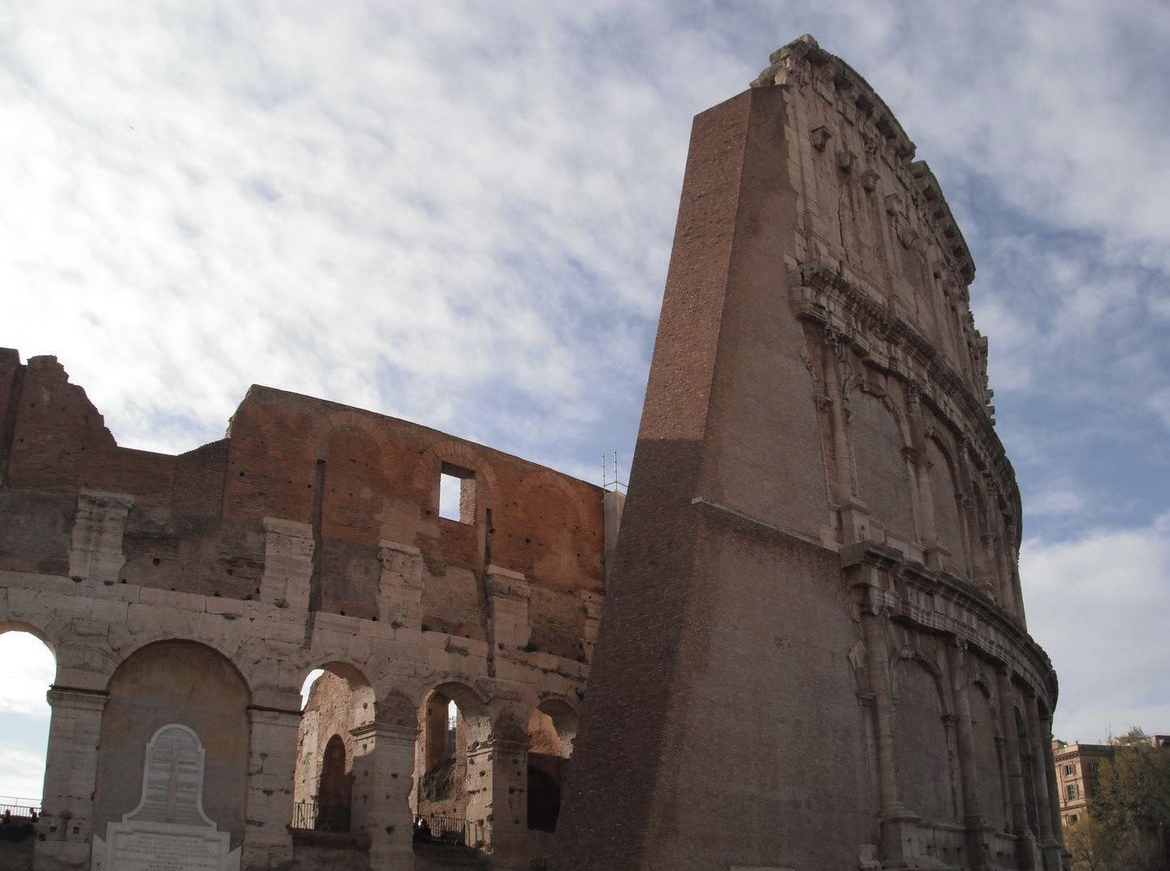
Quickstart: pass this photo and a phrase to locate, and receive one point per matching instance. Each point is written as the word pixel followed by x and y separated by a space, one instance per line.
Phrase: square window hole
pixel 457 494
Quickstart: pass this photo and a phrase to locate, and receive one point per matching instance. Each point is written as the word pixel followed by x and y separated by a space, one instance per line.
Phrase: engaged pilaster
pixel 271 763
pixel 70 777
pixel 508 594
pixel 383 772
pixel 400 586
pixel 288 563
pixel 502 765
pixel 95 547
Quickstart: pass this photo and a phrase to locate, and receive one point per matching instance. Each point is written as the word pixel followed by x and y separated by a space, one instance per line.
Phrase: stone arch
pixel 334 421
pixel 396 709
pixel 20 625
pixel 140 640
pixel 175 681
pixel 924 751
pixel 546 539
pixel 552 725
pixel 458 454
pixel 88 656
pixel 340 702
pixel 543 478
pixel 564 716
pixel 453 719
pixel 334 786
pixel 31 670
pixel 989 761
pixel 880 441
pixel 946 499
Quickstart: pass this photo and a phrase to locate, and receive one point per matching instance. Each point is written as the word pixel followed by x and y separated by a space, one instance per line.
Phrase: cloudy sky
pixel 460 213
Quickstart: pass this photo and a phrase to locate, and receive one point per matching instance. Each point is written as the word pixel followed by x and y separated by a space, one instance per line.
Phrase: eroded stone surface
pixel 202 589
pixel 813 653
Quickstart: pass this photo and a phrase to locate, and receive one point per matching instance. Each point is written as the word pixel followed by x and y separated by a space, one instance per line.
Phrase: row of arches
pixel 969 743
pixel 918 482
pixel 453 723
pixel 334 772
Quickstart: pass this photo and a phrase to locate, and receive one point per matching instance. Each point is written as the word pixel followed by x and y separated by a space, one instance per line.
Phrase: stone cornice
pixel 803 63
pixel 938 602
pixel 828 295
pixel 793 64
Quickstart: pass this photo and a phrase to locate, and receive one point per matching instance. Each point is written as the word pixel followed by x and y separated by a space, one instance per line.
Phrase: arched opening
pixel 336 701
pixel 451 720
pixel 924 753
pixel 551 729
pixel 442 792
pixel 24 722
pixel 175 683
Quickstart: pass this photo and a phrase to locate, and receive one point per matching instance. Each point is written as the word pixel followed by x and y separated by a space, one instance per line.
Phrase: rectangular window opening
pixel 457 494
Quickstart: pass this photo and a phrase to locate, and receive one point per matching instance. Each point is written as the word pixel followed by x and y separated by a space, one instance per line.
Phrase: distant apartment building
pixel 1078 769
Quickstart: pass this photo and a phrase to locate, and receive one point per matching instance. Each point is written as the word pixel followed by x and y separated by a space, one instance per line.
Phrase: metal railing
pixel 449 829
pixel 18 820
pixel 19 812
pixel 311 816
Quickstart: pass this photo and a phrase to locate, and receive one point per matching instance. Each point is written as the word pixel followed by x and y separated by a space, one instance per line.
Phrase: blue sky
pixel 460 214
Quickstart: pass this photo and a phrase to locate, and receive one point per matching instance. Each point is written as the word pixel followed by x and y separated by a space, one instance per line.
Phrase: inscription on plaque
pixel 168 831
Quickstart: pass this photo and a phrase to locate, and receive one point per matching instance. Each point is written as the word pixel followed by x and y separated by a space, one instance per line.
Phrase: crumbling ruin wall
pixel 819 549
pixel 310 536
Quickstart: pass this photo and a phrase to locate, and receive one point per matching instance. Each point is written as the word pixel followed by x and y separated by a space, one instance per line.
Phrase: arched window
pixel 551 729
pixel 335 700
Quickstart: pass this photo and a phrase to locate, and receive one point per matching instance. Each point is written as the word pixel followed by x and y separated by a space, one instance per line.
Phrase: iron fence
pixel 310 815
pixel 19 810
pixel 450 829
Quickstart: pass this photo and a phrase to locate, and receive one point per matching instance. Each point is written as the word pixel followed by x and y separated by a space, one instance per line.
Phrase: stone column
pixel 1041 747
pixel 879 679
pixel 896 822
pixel 66 823
pixel 271 768
pixel 501 766
pixel 977 849
pixel 1025 843
pixel 383 775
pixel 854 516
pixel 917 459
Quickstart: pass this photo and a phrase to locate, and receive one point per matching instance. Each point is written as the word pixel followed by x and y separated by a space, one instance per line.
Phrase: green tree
pixel 1090 845
pixel 1132 806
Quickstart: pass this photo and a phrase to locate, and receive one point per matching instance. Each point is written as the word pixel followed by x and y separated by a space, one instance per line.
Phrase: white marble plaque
pixel 168 831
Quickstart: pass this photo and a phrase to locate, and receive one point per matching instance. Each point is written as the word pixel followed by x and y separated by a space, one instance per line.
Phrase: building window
pixel 1071 791
pixel 457 493
pixel 1072 819
pixel 1094 768
pixel 1070 770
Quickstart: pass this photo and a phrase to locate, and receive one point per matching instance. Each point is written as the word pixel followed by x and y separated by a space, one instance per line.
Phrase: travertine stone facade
pixel 202 589
pixel 813 654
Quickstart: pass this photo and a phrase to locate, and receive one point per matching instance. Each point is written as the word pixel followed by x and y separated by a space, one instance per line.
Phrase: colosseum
pixel 806 650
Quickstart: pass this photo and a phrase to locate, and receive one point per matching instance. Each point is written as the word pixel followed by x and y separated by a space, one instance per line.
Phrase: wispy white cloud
pixel 462 214
pixel 23 774
pixel 1098 604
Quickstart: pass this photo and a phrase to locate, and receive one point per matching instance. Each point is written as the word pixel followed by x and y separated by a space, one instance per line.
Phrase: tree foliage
pixel 1129 829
